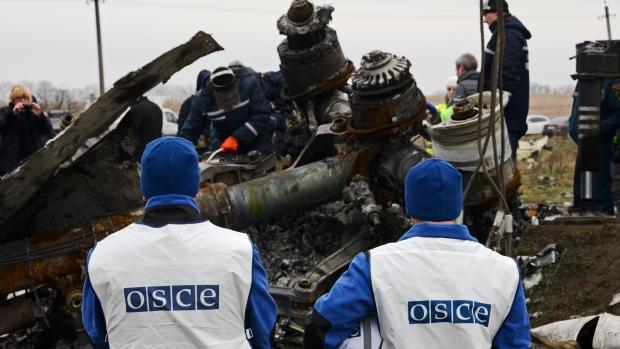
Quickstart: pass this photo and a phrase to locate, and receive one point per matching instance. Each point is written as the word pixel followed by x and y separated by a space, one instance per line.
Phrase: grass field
pixel 549 176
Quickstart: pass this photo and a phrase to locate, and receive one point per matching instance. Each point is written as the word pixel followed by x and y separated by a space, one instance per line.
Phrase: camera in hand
pixel 27 107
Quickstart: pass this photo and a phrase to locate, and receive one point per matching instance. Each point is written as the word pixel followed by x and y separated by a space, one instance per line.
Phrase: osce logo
pixel 172 298
pixel 453 311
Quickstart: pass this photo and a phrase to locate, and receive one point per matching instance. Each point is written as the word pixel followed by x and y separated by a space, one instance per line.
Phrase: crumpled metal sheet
pixel 531 266
pixel 600 331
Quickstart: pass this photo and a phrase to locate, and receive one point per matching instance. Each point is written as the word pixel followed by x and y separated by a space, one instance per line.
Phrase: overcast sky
pixel 55 40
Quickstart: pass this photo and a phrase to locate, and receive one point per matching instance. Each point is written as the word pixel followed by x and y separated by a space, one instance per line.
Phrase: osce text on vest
pixel 172 298
pixel 455 311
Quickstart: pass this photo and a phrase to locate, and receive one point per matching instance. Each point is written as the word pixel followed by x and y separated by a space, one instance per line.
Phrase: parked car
pixel 536 123
pixel 59 118
pixel 556 127
pixel 170 123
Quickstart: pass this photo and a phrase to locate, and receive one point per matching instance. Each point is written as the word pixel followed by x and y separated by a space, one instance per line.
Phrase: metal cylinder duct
pixel 276 195
pixel 311 59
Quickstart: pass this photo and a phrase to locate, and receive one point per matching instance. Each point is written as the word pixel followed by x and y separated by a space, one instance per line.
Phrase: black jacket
pixel 146 118
pixel 21 135
pixel 515 72
pixel 467 85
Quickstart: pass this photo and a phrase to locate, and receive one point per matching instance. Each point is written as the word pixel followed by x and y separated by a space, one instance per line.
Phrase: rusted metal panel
pixel 49 258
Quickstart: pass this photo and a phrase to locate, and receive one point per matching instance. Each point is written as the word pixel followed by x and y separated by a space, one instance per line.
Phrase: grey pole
pixel 101 84
pixel 608 25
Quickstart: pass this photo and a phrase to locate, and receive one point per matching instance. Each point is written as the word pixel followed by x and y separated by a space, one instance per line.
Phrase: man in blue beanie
pixel 173 280
pixel 436 287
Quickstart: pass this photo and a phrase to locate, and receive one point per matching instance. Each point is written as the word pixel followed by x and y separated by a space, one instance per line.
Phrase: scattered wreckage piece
pixel 531 148
pixel 531 266
pixel 600 331
pixel 21 185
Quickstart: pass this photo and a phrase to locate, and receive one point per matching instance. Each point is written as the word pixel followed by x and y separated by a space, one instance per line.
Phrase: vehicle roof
pixel 559 120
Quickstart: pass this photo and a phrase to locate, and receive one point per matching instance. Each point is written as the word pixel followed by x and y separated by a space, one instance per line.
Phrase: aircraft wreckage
pixel 341 195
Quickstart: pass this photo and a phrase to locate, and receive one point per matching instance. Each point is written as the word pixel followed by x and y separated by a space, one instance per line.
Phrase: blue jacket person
pixel 234 108
pixel 173 280
pixel 436 287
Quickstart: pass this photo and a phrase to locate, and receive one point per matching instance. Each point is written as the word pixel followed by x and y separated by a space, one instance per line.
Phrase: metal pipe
pixel 276 195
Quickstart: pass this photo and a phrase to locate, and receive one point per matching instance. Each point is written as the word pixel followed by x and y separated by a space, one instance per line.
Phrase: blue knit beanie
pixel 433 191
pixel 170 166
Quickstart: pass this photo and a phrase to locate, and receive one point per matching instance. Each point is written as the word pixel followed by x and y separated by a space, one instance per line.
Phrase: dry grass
pixel 557 164
pixel 551 104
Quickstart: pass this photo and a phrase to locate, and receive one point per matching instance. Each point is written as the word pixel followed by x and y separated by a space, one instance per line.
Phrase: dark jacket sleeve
pixel 186 108
pixel 258 118
pixel 261 308
pixel 44 127
pixel 195 124
pixel 459 92
pixel 512 60
pixel 5 117
pixel 489 54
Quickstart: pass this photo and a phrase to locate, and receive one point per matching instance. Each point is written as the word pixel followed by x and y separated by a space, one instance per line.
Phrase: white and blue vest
pixel 177 286
pixel 441 292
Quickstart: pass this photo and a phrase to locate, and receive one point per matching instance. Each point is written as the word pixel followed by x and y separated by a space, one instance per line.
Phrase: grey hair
pixel 468 61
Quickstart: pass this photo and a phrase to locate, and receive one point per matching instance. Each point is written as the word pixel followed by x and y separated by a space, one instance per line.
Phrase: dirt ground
pixel 587 275
pixel 584 279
